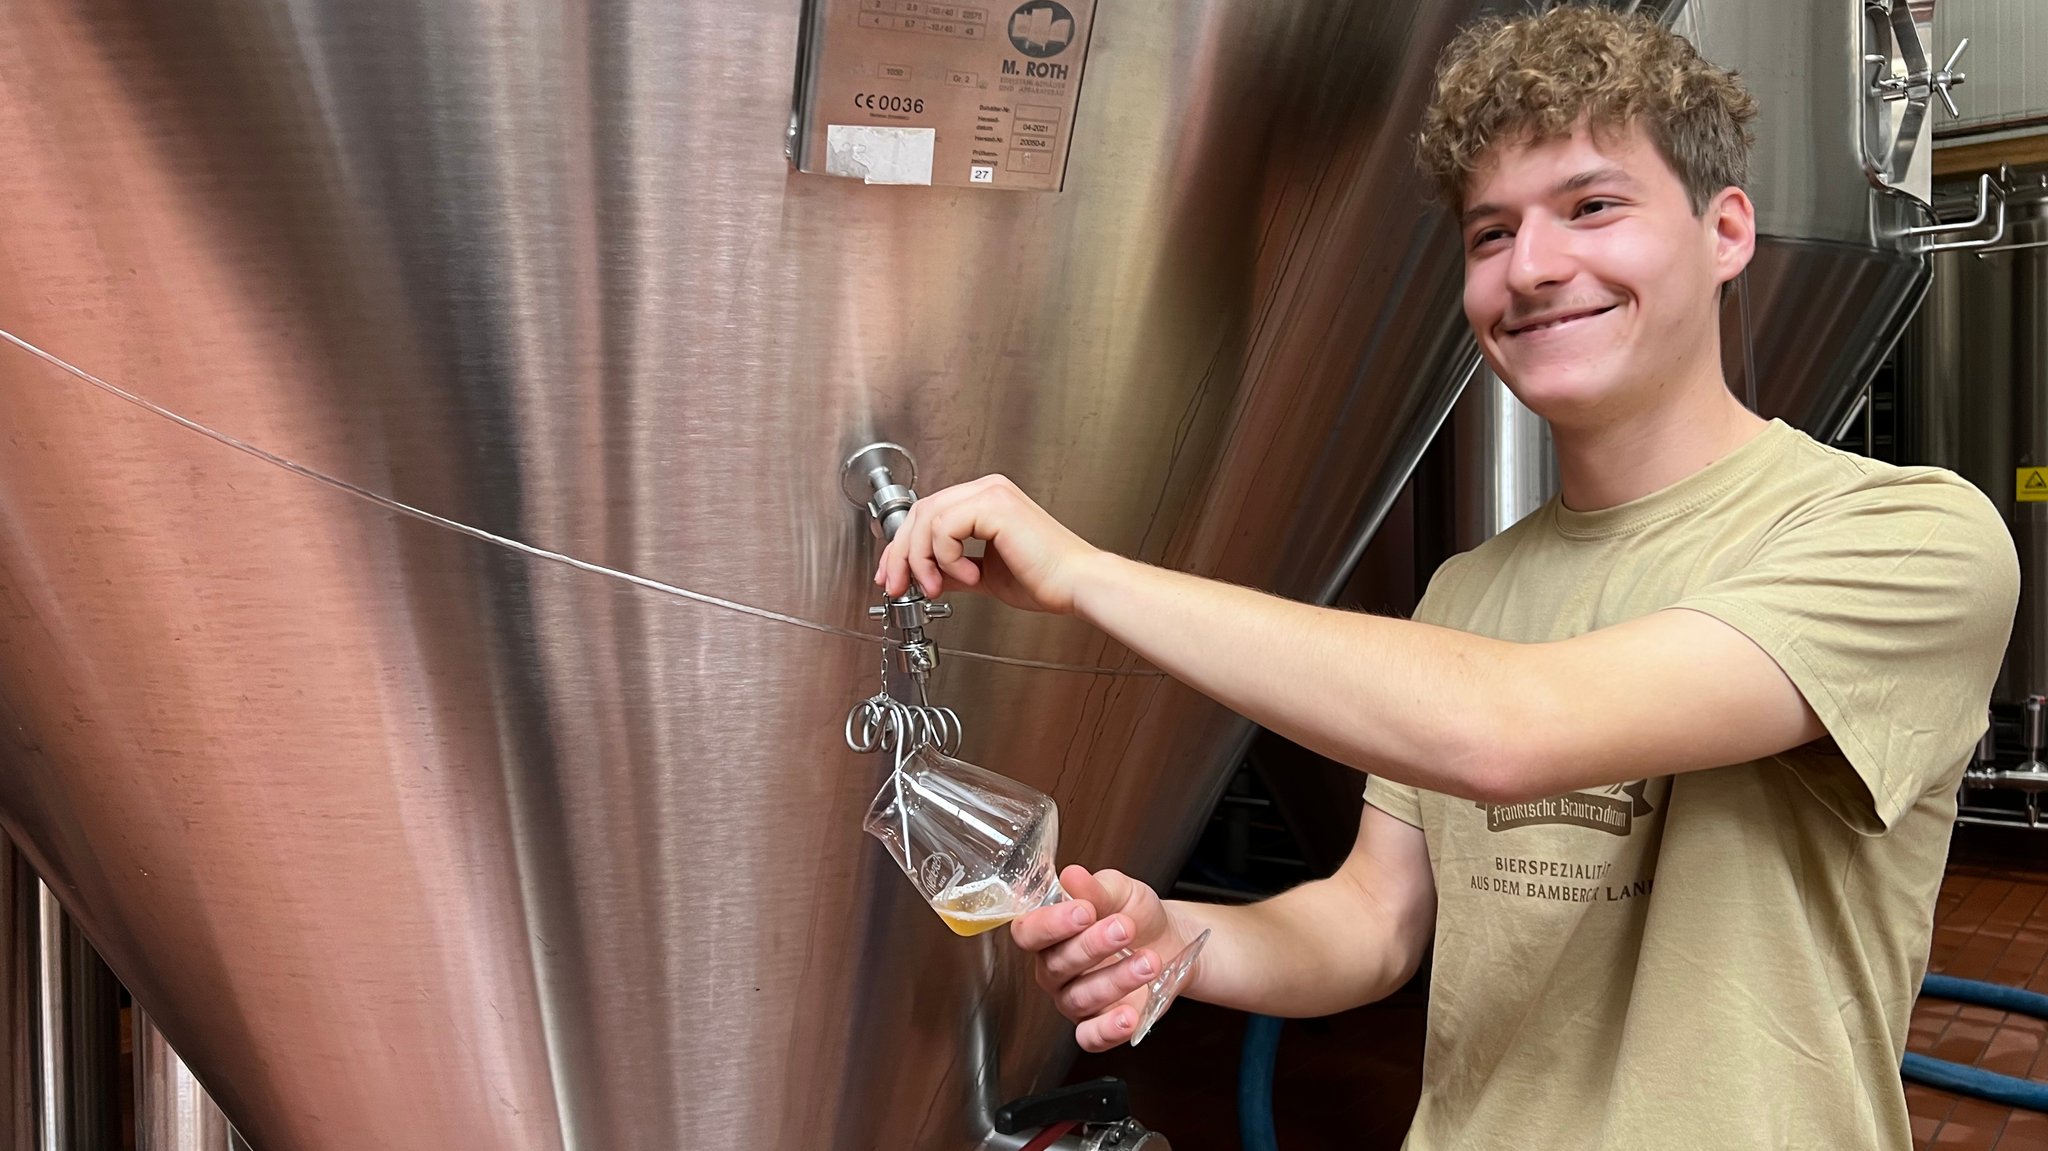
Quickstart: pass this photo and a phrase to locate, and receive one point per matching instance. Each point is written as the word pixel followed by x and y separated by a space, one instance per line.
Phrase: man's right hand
pixel 1077 943
pixel 1032 561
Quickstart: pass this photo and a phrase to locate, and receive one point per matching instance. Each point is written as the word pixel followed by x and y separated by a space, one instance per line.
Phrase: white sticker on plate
pixel 880 155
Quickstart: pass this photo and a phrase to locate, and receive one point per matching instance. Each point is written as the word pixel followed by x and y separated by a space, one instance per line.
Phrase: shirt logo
pixel 1613 810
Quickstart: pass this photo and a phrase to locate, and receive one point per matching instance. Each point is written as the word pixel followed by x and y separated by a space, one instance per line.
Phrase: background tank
pixel 1973 397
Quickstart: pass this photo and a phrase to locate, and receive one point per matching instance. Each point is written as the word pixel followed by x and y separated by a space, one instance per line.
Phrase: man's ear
pixel 1733 218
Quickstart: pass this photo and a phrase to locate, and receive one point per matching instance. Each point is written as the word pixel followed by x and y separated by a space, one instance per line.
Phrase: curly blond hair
pixel 1536 77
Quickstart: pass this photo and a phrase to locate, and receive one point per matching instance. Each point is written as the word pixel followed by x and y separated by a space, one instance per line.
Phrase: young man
pixel 1666 770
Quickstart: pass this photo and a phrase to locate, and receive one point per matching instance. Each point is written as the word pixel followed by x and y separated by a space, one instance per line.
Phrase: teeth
pixel 1553 323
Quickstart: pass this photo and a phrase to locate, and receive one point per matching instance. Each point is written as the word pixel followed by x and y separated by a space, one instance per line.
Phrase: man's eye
pixel 1487 236
pixel 1592 206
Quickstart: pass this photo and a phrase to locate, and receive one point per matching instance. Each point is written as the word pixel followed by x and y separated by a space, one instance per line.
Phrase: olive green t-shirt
pixel 1724 958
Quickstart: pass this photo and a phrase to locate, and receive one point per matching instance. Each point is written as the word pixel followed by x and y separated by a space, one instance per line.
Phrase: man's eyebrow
pixel 1607 175
pixel 1475 212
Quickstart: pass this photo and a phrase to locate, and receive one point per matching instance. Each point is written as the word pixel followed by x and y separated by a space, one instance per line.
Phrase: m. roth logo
pixel 1041 29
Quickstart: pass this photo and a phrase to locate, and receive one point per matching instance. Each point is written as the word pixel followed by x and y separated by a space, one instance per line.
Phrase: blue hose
pixel 1975 1081
pixel 1255 1084
pixel 1982 994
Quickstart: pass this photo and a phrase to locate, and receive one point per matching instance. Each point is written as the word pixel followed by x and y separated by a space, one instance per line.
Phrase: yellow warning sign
pixel 2031 486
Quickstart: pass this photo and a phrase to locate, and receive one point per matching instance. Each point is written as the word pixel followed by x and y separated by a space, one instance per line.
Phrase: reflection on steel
pixel 1504 465
pixel 510 544
pixel 1826 315
pixel 434 794
pixel 172 1111
pixel 53 1067
pixel 78 1034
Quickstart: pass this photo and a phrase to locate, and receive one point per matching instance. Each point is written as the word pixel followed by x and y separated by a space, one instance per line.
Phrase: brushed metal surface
pixel 172 1111
pixel 1503 463
pixel 1804 63
pixel 407 839
pixel 1823 316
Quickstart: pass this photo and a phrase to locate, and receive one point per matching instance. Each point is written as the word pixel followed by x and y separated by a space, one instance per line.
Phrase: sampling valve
pixel 878 479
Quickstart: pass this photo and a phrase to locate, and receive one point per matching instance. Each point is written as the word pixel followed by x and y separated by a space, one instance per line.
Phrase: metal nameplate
pixel 914 92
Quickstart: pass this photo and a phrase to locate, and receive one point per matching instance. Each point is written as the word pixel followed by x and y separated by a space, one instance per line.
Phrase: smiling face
pixel 1592 286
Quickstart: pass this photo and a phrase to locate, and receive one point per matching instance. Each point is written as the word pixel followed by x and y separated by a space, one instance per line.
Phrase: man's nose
pixel 1542 257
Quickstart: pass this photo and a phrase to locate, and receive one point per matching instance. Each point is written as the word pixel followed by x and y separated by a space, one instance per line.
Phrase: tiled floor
pixel 1991 923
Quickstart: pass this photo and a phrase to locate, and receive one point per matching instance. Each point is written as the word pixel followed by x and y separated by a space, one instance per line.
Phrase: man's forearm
pixel 1392 697
pixel 1307 952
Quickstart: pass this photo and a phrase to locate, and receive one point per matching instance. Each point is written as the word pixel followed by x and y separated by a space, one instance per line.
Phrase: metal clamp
pixel 1892 40
pixel 1922 82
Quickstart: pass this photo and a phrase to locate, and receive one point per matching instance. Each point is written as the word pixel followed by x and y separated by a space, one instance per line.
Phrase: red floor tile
pixel 1963 1042
pixel 1957 1137
pixel 2015 909
pixel 1970 913
pixel 1975 959
pixel 2025 1131
pixel 1927 1103
pixel 2027 1023
pixel 1973 1125
pixel 2010 1052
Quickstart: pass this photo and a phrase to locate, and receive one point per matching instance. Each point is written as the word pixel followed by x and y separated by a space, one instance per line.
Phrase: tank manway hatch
pixel 978 94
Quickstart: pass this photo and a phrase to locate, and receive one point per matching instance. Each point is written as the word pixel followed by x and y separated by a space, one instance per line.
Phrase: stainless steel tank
pixel 1974 397
pixel 1841 175
pixel 427 608
pixel 407 832
pixel 172 1111
pixel 1503 463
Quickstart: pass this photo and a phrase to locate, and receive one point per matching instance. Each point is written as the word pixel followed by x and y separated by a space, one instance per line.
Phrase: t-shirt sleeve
pixel 1398 799
pixel 1889 607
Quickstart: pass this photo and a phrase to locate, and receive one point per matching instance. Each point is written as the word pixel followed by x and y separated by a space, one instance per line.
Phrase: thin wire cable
pixel 477 533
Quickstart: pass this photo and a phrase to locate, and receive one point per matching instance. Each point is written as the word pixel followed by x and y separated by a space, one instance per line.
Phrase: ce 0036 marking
pixel 874 102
